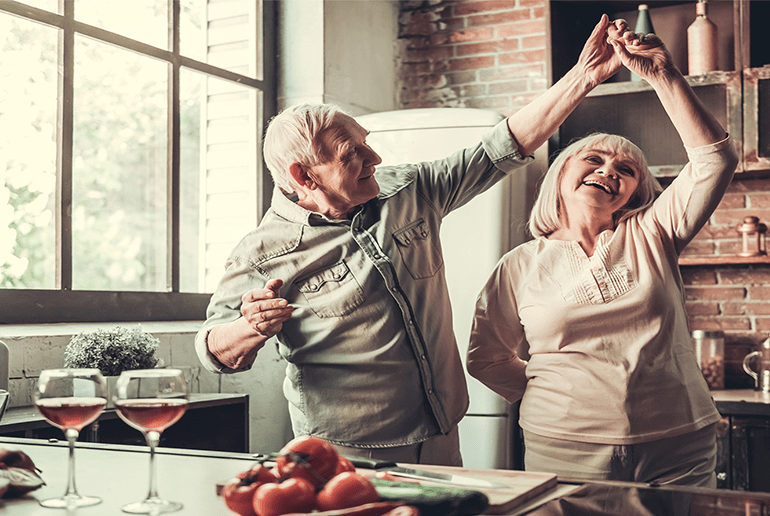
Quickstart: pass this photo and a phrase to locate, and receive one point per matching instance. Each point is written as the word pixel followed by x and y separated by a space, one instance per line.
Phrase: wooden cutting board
pixel 523 485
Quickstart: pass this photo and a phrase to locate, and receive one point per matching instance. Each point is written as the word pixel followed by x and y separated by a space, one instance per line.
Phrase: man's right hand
pixel 264 311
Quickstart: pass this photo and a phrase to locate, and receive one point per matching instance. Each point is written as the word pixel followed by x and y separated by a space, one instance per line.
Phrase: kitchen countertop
pixel 742 402
pixel 119 474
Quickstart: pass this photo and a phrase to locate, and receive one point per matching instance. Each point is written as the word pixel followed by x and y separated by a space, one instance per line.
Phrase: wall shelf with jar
pixel 753 247
pixel 738 93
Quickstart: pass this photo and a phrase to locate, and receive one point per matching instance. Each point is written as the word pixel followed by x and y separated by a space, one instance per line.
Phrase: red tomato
pixel 290 496
pixel 343 465
pixel 239 492
pixel 347 489
pixel 307 457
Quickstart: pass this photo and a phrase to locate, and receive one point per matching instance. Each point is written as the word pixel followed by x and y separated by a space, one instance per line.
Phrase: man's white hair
pixel 293 136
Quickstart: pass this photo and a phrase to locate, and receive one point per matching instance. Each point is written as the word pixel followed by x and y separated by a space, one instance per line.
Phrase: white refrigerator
pixel 414 135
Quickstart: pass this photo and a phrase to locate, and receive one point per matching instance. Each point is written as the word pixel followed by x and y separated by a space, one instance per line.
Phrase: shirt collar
pixel 286 206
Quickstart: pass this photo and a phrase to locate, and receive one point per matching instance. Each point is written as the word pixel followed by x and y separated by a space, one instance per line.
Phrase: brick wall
pixel 731 298
pixel 493 54
pixel 472 53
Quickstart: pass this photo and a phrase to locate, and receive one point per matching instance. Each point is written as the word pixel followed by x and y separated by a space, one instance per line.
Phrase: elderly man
pixel 346 270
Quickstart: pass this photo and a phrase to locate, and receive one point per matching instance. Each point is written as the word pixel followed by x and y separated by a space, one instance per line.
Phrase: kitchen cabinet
pixel 743 440
pixel 756 118
pixel 215 422
pixel 750 453
pixel 738 95
pixel 743 452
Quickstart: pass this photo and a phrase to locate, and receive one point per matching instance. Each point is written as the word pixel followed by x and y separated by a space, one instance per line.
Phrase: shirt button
pixel 411 323
pixel 423 357
pixel 376 256
pixel 430 391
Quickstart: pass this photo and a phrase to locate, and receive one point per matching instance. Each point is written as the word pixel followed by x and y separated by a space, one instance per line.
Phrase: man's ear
pixel 300 175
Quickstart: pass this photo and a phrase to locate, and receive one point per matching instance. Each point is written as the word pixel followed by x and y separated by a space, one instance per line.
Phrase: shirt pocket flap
pixel 334 273
pixel 416 231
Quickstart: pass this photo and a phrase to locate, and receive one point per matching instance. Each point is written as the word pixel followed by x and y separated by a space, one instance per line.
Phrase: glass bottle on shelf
pixel 643 26
pixel 702 49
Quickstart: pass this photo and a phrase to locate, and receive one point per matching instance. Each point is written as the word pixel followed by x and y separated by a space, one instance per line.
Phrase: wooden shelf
pixel 723 260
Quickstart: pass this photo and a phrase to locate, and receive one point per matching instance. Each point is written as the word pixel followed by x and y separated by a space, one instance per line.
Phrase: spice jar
pixel 753 235
pixel 709 348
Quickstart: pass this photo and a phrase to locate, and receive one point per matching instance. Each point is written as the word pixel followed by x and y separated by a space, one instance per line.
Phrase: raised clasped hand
pixel 598 59
pixel 264 310
pixel 643 54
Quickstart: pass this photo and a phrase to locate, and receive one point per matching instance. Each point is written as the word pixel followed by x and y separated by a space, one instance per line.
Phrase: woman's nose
pixel 605 170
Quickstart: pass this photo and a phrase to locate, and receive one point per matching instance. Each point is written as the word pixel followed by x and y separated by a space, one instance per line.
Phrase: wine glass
pixel 70 399
pixel 151 400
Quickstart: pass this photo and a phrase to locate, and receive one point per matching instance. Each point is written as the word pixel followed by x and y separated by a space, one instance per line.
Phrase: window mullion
pixel 64 152
pixel 173 154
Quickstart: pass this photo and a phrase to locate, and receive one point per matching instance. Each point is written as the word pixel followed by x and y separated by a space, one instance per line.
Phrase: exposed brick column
pixel 472 53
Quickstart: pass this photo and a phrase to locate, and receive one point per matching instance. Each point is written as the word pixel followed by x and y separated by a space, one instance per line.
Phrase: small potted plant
pixel 112 352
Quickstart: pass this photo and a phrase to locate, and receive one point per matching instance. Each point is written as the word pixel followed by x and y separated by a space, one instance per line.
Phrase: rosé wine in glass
pixel 71 412
pixel 70 399
pixel 151 400
pixel 147 415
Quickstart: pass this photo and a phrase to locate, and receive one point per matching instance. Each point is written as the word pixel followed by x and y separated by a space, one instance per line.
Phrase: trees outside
pixel 119 212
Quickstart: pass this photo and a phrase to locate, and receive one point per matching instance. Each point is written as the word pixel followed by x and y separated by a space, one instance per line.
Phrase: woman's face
pixel 599 179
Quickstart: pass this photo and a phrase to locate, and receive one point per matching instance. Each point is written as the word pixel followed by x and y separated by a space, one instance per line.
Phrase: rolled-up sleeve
pixel 502 149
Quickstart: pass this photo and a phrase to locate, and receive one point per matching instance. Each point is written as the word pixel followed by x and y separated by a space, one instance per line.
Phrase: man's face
pixel 346 178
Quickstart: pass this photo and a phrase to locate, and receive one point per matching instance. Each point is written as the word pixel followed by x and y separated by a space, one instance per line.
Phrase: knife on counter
pixel 446 478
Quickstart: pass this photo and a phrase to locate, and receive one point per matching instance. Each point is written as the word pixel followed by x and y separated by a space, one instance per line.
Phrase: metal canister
pixel 762 374
pixel 709 348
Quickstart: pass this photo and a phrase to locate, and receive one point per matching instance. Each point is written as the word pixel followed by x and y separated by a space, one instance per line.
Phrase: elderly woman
pixel 586 323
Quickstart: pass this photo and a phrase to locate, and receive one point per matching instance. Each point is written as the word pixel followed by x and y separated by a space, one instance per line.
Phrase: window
pixel 129 146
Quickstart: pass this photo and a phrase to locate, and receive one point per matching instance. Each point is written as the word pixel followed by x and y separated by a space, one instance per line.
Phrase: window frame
pixel 64 305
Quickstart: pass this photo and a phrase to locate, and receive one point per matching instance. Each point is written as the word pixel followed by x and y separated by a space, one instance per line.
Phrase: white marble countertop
pixel 120 474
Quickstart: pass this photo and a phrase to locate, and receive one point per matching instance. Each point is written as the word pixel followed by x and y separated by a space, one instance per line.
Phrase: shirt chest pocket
pixel 332 292
pixel 420 253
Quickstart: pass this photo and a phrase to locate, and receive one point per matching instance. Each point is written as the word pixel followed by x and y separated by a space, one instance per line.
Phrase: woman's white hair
pixel 293 136
pixel 544 218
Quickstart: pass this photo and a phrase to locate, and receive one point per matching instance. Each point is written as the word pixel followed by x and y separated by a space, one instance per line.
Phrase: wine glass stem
pixel 152 441
pixel 72 436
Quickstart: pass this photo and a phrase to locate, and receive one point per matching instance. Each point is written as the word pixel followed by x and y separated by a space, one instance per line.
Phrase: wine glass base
pixel 70 501
pixel 152 506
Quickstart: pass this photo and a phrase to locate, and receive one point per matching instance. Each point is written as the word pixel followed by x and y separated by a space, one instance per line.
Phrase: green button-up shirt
pixel 372 357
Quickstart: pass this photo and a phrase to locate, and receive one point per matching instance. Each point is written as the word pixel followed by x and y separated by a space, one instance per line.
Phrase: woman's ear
pixel 299 173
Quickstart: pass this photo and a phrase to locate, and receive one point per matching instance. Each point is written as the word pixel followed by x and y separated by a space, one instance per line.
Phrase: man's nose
pixel 373 158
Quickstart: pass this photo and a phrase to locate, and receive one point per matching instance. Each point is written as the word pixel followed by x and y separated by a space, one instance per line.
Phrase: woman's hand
pixel 264 310
pixel 598 59
pixel 648 58
pixel 645 55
